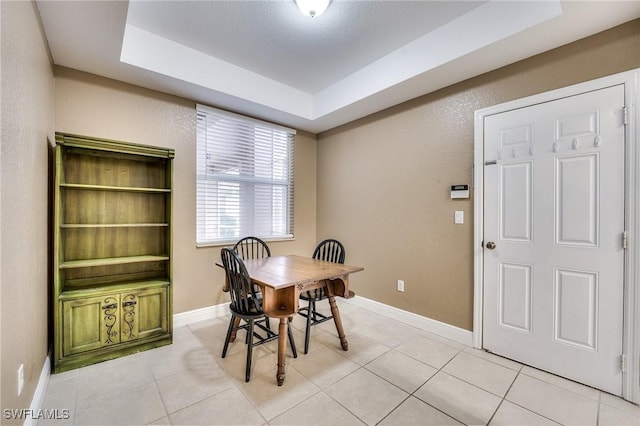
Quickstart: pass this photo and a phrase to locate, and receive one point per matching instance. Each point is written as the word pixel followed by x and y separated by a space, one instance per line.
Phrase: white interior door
pixel 554 225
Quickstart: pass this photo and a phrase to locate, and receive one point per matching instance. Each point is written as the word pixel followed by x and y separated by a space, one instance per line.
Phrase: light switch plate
pixel 458 217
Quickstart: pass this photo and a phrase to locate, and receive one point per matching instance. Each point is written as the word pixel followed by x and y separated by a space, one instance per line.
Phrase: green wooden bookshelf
pixel 112 257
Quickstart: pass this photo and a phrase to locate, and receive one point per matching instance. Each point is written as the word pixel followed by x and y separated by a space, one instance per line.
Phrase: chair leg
pixel 249 350
pixel 307 333
pixel 291 341
pixel 236 324
pixel 228 338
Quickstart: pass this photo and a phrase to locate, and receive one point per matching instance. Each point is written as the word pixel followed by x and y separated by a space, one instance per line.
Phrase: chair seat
pixel 247 315
pixel 317 294
pixel 313 315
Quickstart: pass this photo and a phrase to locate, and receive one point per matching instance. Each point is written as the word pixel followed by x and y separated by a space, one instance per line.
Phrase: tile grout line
pixel 395 408
pixel 338 402
pixel 520 372
pixel 164 406
pixel 320 390
pixel 504 397
pixel 598 409
pixel 432 376
pixel 236 384
pixel 441 370
pixel 380 377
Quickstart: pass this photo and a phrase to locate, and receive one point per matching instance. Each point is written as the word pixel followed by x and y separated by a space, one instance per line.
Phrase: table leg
pixel 282 347
pixel 338 321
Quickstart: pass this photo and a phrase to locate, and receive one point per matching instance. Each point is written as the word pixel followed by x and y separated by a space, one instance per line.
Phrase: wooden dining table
pixel 283 278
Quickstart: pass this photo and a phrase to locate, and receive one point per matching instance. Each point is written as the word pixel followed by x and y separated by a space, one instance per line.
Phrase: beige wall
pixel 384 181
pixel 90 105
pixel 27 124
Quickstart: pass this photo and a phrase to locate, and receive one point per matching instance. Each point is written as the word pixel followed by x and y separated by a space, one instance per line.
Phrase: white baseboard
pixel 41 390
pixel 210 312
pixel 423 323
pixel 441 329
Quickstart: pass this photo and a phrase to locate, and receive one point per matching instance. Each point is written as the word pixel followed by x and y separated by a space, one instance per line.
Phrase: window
pixel 244 178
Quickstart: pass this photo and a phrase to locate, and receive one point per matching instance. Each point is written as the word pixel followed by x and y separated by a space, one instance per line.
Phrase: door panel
pixel 577 200
pixel 90 323
pixel 144 313
pixel 575 308
pixel 515 297
pixel 152 311
pixel 554 207
pixel 515 201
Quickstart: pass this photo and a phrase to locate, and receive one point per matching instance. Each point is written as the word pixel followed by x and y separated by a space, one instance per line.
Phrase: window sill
pixel 228 243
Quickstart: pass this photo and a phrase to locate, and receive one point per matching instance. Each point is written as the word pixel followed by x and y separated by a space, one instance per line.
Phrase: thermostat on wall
pixel 459 191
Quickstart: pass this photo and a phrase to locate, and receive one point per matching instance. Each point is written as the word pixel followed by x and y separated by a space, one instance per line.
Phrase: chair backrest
pixel 244 299
pixel 330 250
pixel 252 248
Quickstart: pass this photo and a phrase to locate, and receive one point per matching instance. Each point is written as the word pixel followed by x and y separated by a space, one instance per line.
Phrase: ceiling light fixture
pixel 312 8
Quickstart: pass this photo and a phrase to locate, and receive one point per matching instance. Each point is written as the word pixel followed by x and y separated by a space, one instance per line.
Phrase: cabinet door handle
pixel 111 306
pixel 131 303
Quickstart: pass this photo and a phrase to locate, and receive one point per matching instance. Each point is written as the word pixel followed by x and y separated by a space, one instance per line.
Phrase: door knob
pixel 491 245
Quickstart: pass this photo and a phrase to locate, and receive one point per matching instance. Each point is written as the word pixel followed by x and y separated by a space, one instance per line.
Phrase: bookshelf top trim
pixel 91 143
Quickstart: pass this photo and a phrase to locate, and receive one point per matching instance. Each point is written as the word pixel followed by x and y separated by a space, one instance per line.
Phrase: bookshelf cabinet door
pixel 90 323
pixel 144 313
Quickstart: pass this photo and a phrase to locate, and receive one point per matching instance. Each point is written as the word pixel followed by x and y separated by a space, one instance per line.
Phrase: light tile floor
pixel 393 374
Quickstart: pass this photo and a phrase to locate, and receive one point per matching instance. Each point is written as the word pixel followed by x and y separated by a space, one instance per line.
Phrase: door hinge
pixel 625 239
pixel 625 115
pixel 623 363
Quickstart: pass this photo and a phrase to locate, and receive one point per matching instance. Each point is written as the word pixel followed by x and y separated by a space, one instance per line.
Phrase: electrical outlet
pixel 400 285
pixel 20 379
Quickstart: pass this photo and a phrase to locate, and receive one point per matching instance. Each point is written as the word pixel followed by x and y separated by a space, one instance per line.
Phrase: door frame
pixel 631 314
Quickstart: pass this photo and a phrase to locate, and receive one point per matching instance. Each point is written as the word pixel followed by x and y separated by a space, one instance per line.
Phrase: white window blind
pixel 244 178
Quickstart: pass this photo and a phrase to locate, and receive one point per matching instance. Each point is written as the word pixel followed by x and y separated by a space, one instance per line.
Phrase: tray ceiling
pixel 266 59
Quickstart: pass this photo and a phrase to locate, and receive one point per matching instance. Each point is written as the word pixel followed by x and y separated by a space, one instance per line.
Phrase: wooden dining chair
pixel 251 248
pixel 332 251
pixel 247 306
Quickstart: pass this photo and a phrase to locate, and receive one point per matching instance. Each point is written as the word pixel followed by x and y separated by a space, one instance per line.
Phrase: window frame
pixel 267 182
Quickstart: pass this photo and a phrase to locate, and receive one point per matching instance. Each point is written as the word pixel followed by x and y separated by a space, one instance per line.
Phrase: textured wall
pixel 383 181
pixel 90 105
pixel 27 127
